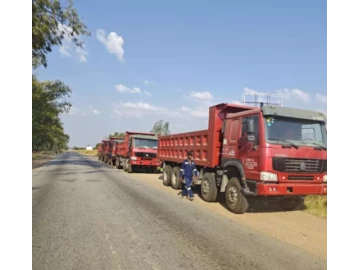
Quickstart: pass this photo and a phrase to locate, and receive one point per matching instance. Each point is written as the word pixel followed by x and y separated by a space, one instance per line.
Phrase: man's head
pixel 189 155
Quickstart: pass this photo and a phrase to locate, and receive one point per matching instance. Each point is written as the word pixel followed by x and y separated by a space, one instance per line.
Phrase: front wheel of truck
pixel 235 200
pixel 209 191
pixel 129 168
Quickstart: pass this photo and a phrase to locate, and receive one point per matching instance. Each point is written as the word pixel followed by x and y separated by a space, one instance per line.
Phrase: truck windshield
pixel 300 132
pixel 146 143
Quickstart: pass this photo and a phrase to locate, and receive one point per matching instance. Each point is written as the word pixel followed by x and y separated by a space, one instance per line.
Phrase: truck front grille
pixel 145 155
pixel 299 165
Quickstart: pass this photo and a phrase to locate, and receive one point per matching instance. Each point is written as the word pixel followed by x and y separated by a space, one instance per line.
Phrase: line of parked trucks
pixel 279 153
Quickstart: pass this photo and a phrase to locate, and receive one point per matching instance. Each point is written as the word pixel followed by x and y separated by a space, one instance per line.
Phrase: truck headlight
pixel 268 177
pixel 325 178
pixel 133 158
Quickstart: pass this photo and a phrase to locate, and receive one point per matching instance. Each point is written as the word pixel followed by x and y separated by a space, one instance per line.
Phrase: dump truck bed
pixel 205 144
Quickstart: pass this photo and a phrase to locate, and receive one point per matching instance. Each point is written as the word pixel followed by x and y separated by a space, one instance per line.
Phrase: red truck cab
pixel 138 151
pixel 277 152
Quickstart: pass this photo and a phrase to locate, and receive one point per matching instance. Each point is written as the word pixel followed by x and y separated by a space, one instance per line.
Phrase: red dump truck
pixel 138 150
pixel 279 152
pixel 104 149
pixel 99 150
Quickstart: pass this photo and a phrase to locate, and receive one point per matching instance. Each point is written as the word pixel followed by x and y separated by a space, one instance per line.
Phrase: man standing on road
pixel 188 170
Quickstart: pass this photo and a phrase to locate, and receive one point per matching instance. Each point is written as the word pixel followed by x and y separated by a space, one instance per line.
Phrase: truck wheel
pixel 99 157
pixel 175 178
pixel 167 175
pixel 117 163
pixel 128 166
pixel 235 200
pixel 209 191
pixel 291 204
pixel 110 162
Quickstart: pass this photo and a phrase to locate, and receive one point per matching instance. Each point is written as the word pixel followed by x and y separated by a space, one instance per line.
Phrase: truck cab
pixel 143 151
pixel 278 150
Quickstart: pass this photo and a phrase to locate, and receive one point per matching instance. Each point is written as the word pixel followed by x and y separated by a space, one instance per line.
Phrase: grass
pixel 42 155
pixel 316 205
pixel 92 153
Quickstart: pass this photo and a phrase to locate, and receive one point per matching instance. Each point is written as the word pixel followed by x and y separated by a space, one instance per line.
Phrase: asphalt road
pixel 89 216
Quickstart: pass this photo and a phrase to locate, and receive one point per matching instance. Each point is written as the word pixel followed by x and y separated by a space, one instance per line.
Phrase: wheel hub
pixel 232 195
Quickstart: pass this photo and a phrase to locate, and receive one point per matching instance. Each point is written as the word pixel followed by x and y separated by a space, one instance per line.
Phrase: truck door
pixel 248 147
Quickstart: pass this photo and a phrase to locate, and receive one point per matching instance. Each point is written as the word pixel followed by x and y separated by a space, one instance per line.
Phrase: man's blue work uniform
pixel 188 169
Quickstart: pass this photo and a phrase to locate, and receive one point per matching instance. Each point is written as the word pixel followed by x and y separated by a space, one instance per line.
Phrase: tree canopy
pixel 161 128
pixel 52 21
pixel 49 100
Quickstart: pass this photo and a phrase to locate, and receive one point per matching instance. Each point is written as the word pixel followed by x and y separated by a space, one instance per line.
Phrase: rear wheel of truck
pixel 167 172
pixel 175 178
pixel 235 200
pixel 291 204
pixel 99 157
pixel 117 163
pixel 209 191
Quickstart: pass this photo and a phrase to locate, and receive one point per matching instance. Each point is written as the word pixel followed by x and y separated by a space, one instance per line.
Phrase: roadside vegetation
pixel 316 205
pixel 52 22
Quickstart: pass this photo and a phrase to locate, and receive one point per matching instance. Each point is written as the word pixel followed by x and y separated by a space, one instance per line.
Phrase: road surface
pixel 89 216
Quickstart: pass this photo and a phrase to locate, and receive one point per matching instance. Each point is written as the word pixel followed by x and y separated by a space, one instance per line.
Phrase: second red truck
pixel 136 151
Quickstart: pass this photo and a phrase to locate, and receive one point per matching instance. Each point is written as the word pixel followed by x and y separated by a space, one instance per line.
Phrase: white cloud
pixel 140 105
pixel 200 112
pixel 250 91
pixel 68 46
pixel 321 98
pixel 94 111
pixel 76 111
pixel 113 43
pixel 201 95
pixel 136 90
pixel 294 94
pixel 147 82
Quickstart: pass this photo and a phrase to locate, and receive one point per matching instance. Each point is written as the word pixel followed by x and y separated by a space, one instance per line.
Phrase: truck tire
pixel 167 175
pixel 291 204
pixel 99 157
pixel 175 178
pixel 209 190
pixel 117 163
pixel 235 200
pixel 128 166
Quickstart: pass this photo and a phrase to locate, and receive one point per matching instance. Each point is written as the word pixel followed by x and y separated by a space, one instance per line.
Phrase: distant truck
pixel 280 152
pixel 138 150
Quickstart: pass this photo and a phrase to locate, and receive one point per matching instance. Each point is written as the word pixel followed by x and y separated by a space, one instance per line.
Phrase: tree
pixel 121 135
pixel 161 128
pixel 48 103
pixel 51 24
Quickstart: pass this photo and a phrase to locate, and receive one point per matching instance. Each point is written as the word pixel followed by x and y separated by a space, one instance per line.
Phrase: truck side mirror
pixel 250 126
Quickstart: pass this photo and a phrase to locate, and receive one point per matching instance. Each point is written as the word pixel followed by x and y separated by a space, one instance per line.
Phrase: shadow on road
pixel 256 204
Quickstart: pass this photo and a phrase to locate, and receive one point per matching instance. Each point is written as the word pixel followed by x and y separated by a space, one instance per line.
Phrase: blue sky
pixel 170 60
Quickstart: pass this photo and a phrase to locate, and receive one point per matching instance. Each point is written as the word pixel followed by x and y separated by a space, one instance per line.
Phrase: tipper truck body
pixel 278 152
pixel 138 151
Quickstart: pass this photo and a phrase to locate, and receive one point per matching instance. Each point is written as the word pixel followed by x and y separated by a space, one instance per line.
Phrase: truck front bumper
pixel 290 189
